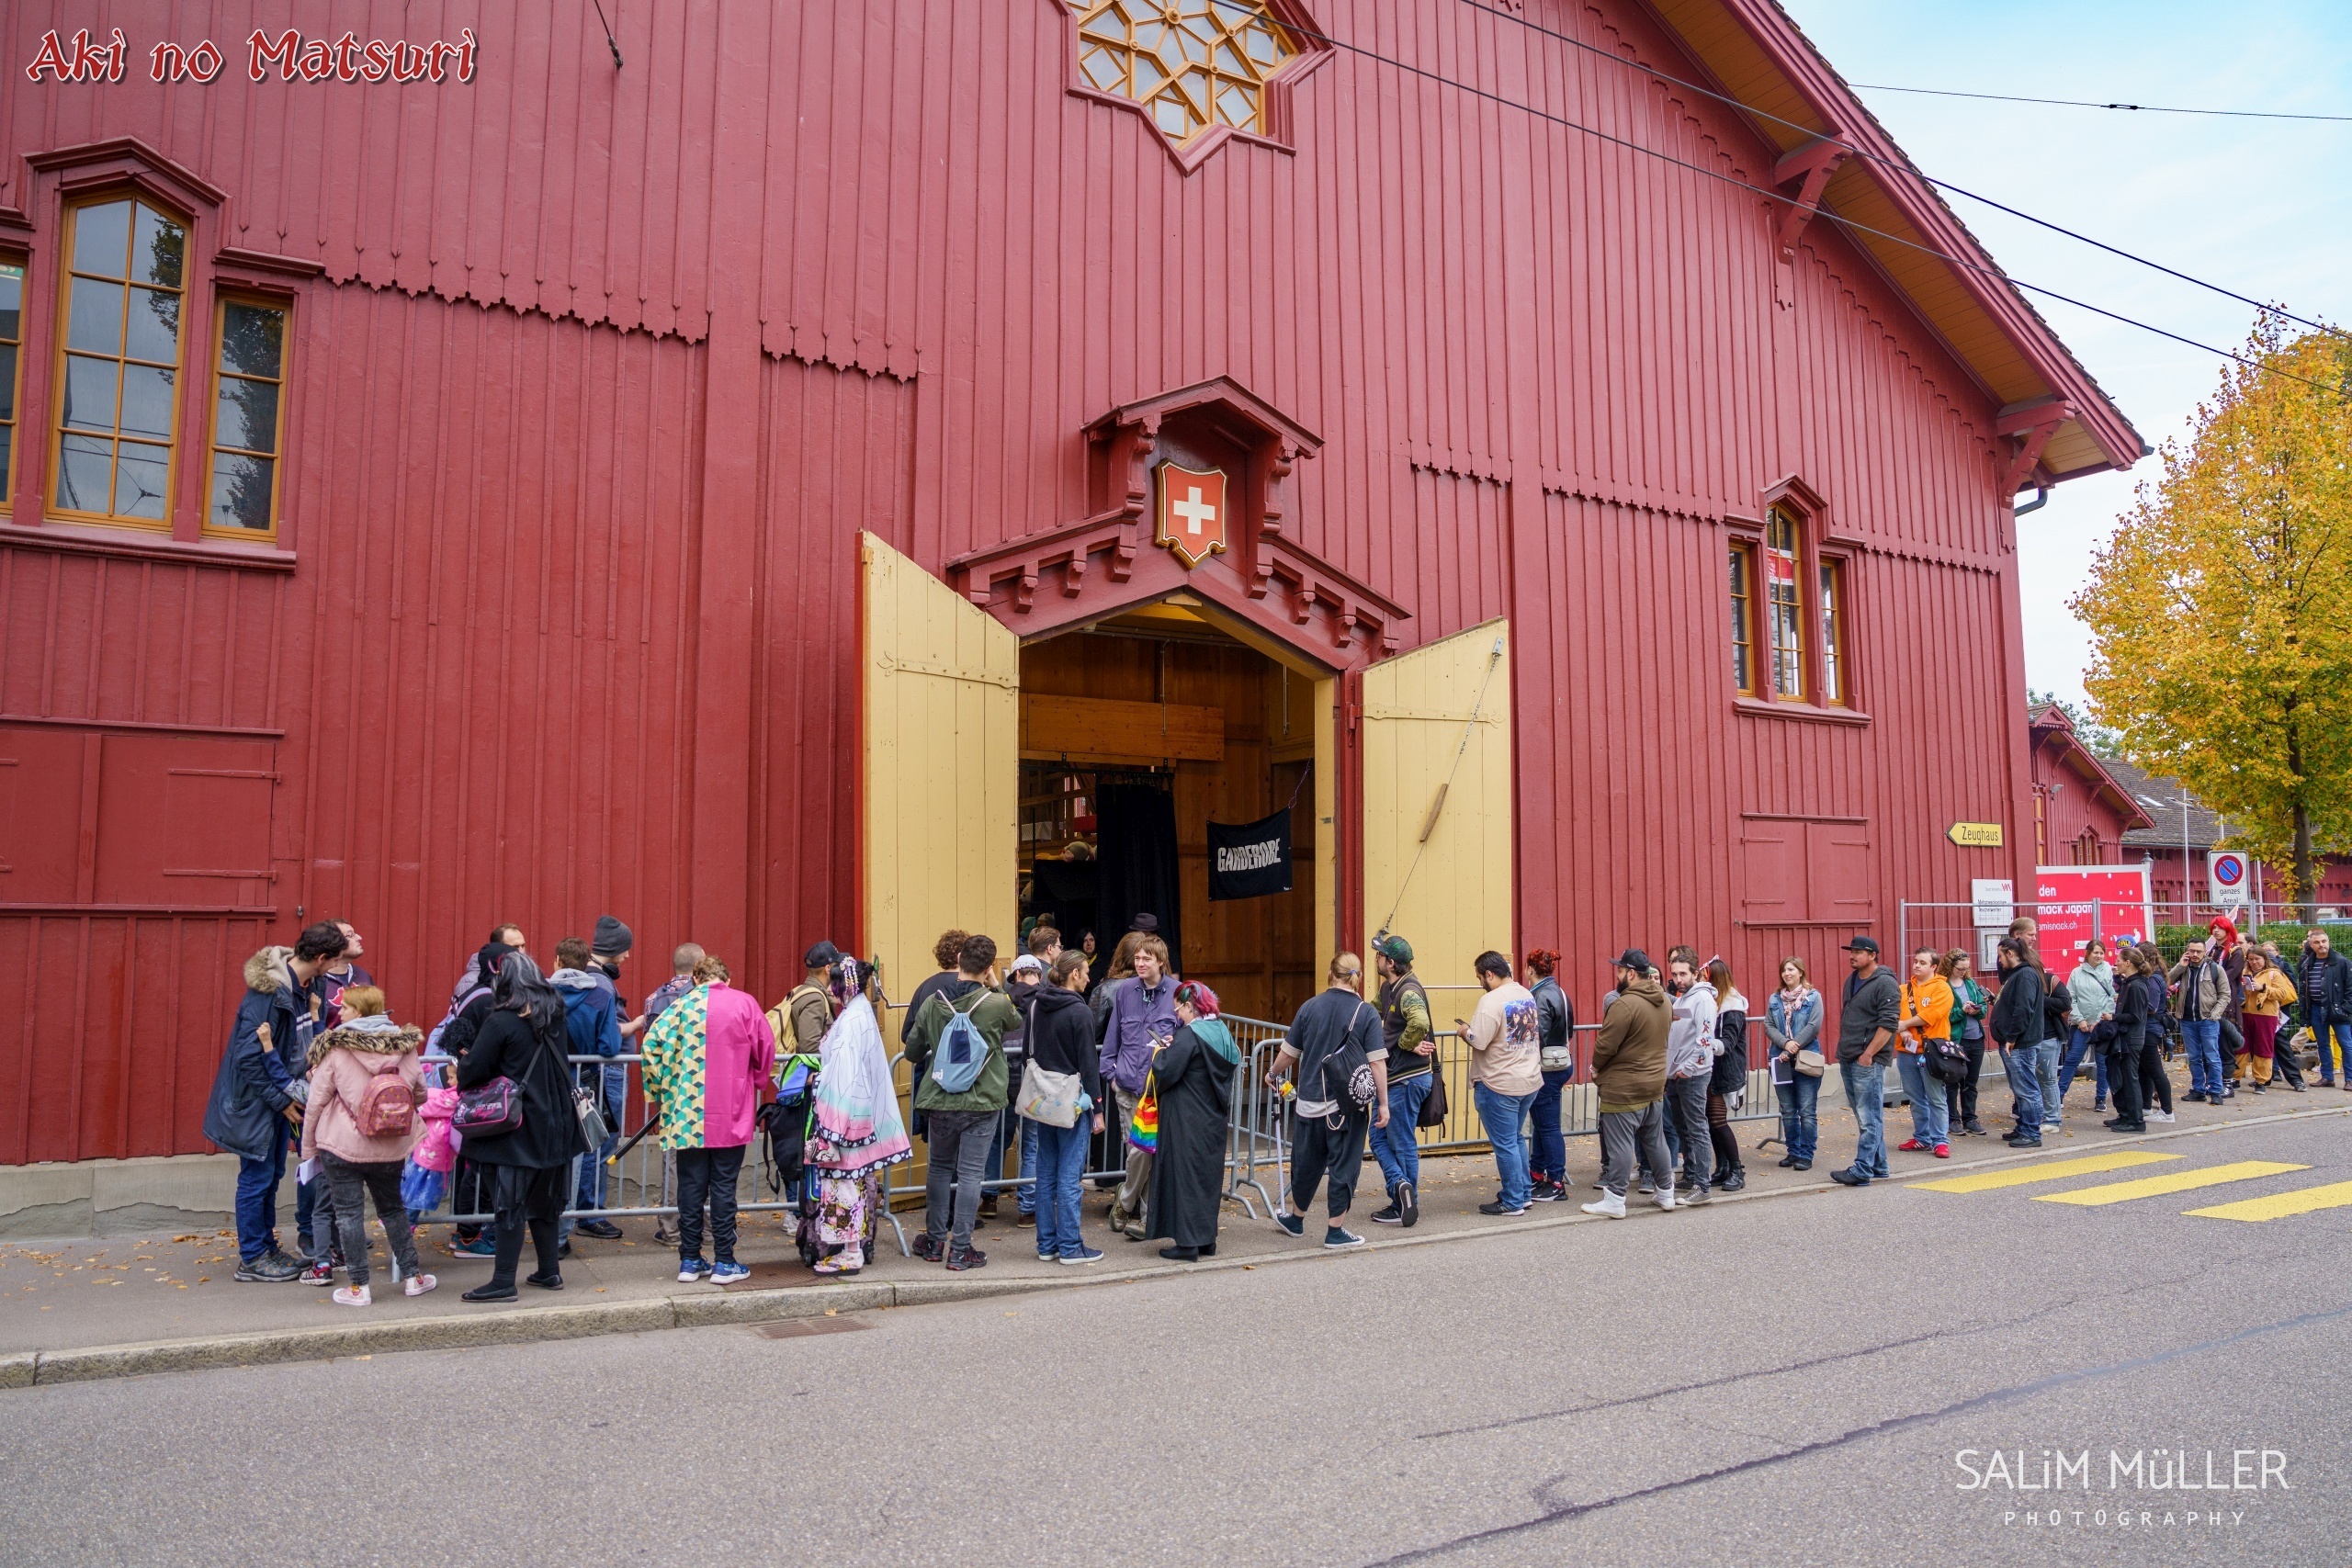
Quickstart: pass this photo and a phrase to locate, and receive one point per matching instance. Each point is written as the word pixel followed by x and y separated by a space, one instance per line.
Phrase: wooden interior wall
pixel 1255 953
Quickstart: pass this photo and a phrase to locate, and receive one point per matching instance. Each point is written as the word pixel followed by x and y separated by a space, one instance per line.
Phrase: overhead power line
pixel 2271 307
pixel 2088 104
pixel 1847 223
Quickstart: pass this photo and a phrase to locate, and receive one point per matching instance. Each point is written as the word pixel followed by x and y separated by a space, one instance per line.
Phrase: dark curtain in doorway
pixel 1068 891
pixel 1136 846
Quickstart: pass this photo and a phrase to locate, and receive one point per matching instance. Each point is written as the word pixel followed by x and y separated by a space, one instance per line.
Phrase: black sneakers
pixel 1391 1215
pixel 927 1249
pixel 270 1269
pixel 1408 1204
pixel 969 1257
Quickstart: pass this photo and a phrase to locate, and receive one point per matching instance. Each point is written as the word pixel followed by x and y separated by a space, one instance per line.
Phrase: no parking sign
pixel 2226 873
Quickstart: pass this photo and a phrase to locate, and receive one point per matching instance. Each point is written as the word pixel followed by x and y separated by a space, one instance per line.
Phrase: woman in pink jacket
pixel 359 1126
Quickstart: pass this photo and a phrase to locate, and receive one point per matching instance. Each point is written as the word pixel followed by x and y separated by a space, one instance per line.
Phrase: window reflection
pixel 248 413
pixel 116 402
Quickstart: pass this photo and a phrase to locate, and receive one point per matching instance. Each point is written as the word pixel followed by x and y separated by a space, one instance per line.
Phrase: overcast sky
pixel 2260 207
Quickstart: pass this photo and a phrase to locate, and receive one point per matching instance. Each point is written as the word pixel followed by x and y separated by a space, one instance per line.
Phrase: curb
pixel 28 1369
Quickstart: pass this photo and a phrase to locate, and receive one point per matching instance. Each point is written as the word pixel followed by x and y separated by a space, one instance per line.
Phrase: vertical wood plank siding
pixel 1546 371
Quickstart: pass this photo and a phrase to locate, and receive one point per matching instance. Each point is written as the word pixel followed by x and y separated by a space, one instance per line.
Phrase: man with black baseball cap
pixel 1873 1006
pixel 1629 1081
pixel 808 1009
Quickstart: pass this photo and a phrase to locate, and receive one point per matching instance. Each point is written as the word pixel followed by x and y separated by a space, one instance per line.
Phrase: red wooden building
pixel 2083 810
pixel 451 478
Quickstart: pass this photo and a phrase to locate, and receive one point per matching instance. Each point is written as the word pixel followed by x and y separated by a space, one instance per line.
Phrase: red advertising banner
pixel 2073 903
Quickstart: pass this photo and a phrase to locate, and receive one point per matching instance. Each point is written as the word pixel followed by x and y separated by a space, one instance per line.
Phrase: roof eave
pixel 1774 33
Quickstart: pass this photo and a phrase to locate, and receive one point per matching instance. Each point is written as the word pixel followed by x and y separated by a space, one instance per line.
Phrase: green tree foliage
pixel 2220 610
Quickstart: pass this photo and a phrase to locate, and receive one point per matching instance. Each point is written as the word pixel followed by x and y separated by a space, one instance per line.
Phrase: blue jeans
pixel 1505 1116
pixel 2334 1039
pixel 1028 1191
pixel 1397 1146
pixel 1927 1093
pixel 1061 1160
pixel 1550 1159
pixel 2023 1066
pixel 2079 1043
pixel 1866 1092
pixel 611 1085
pixel 2203 1038
pixel 258 1182
pixel 1799 1120
pixel 1002 1139
pixel 2045 1057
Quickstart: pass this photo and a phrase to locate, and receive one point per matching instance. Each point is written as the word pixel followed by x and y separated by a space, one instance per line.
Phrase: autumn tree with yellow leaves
pixel 2221 611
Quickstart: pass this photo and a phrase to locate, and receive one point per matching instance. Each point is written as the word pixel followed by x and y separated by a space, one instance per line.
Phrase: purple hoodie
pixel 1140 1020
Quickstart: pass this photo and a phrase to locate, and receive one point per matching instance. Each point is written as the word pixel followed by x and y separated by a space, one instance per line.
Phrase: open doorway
pixel 1136 733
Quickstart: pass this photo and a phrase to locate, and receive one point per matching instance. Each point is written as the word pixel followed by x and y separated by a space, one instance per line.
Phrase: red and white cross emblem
pixel 1193 516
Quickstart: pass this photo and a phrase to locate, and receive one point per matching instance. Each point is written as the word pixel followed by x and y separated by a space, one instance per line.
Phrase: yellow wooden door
pixel 1437 842
pixel 940 776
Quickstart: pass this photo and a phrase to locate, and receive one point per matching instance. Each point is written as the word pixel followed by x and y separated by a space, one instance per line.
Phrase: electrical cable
pixel 611 44
pixel 1903 167
pixel 2088 104
pixel 1848 223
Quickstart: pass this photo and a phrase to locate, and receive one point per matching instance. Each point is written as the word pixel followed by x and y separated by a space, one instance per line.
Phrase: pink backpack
pixel 385 1108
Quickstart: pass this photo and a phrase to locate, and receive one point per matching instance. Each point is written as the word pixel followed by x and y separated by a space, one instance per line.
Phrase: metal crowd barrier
pixel 642 1185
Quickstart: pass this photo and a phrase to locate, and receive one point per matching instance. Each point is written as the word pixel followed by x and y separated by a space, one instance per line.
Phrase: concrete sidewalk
pixel 81 1308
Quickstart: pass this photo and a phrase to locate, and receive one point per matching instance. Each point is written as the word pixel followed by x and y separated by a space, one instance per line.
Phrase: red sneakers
pixel 1911 1143
pixel 1943 1151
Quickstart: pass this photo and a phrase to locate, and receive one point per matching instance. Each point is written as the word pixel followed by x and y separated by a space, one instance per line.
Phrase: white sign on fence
pixel 1995 901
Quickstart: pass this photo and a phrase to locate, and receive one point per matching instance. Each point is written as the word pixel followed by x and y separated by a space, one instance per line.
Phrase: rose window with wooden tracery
pixel 1192 64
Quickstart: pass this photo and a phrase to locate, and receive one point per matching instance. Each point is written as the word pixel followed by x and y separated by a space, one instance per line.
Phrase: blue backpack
pixel 963 1050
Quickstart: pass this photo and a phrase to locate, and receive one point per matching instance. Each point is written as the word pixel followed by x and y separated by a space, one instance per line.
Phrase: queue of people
pixel 517 1090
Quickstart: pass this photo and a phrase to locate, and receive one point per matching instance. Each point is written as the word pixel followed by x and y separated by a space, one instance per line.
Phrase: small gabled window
pixel 1785 613
pixel 248 419
pixel 1743 618
pixel 12 337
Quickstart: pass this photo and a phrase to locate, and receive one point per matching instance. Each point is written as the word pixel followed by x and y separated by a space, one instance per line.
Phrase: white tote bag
pixel 1050 1097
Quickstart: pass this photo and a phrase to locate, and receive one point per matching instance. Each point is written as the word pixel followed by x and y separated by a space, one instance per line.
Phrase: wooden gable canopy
pixel 1751 51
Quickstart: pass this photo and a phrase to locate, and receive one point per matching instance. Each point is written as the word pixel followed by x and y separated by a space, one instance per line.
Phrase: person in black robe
pixel 1194 1072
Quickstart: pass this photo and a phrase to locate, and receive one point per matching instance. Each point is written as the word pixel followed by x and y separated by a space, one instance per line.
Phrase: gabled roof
pixel 1757 54
pixel 2052 728
pixel 2163 798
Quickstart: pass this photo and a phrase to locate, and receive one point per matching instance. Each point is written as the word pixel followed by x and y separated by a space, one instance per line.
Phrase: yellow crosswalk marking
pixel 2170 1181
pixel 2280 1205
pixel 2048 1170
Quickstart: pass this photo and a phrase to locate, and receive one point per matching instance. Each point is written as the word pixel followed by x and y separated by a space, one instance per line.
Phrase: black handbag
pixel 1434 1109
pixel 1948 1060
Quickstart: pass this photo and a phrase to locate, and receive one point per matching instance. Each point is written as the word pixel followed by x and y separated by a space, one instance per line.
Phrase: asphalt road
pixel 1815 1379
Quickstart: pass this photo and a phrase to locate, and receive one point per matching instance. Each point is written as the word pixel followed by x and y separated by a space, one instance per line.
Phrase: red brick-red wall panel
pixel 607 370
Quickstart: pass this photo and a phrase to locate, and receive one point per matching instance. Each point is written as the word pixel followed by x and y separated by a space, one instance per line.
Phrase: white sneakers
pixel 2160 1116
pixel 1611 1206
pixel 1666 1198
pixel 361 1295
